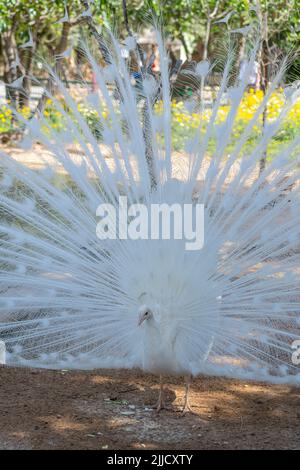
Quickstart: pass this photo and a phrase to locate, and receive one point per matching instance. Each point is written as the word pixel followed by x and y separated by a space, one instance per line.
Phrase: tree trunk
pixel 28 63
pixel 263 63
pixel 97 36
pixel 263 86
pixel 206 40
pixel 9 49
pixel 185 46
pixel 241 53
pixel 50 85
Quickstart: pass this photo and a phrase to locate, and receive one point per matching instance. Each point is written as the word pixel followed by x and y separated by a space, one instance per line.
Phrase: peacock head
pixel 145 313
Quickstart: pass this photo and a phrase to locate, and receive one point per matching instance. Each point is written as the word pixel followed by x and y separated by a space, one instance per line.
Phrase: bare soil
pixel 112 409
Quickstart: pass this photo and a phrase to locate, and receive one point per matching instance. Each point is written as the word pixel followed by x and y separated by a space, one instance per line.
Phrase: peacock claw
pixel 160 406
pixel 187 409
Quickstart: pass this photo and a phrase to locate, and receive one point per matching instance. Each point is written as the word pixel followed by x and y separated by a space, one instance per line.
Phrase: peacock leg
pixel 187 407
pixel 161 402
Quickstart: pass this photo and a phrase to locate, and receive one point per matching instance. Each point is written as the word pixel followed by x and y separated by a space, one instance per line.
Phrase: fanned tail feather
pixel 69 299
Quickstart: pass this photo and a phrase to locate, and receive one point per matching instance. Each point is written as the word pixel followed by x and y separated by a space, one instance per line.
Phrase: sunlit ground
pixel 108 409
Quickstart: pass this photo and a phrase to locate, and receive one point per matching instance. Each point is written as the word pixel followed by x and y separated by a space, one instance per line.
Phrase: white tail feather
pixel 70 300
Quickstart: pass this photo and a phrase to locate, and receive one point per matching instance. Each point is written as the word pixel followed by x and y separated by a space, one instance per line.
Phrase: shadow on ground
pixel 105 409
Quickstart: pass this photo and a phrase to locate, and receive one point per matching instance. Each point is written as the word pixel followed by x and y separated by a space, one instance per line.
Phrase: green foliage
pixel 181 18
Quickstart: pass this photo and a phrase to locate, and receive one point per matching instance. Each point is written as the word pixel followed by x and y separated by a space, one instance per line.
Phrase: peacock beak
pixel 141 319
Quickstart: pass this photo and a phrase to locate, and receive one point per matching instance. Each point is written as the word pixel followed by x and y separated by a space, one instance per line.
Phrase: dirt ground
pixel 110 409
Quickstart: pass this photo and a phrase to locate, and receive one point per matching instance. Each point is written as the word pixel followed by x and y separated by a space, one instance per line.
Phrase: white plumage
pixel 69 299
pixel 161 350
pixel 2 353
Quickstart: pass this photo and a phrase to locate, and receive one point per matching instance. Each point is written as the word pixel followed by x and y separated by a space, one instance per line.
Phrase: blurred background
pixel 35 32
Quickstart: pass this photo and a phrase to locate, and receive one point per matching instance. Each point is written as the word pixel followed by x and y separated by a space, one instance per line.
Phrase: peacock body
pixel 69 299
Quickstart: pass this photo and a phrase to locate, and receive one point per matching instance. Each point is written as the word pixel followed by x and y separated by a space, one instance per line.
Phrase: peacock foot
pixel 161 405
pixel 187 408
